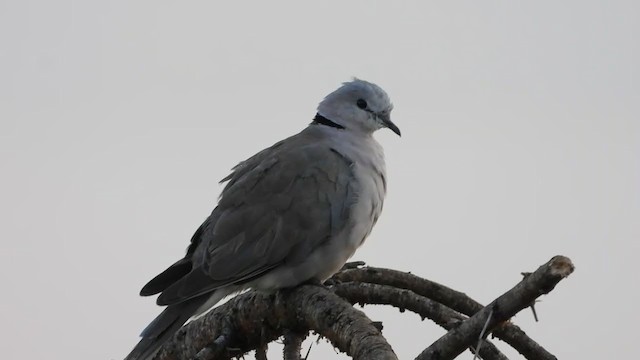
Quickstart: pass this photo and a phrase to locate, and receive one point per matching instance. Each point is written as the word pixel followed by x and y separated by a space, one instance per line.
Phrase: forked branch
pixel 252 320
pixel 542 281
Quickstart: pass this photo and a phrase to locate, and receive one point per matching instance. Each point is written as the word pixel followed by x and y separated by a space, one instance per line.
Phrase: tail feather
pixel 163 280
pixel 164 326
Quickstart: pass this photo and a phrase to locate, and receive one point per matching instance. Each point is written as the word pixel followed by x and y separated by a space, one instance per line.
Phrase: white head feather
pixel 359 106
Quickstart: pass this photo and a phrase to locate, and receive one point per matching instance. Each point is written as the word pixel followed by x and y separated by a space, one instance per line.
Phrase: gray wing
pixel 278 206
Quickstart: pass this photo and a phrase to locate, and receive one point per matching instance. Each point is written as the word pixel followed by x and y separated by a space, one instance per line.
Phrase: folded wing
pixel 278 206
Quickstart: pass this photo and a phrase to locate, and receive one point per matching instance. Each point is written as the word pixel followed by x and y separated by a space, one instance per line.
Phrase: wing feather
pixel 278 206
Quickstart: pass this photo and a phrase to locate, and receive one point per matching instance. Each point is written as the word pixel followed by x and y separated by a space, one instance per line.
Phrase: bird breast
pixel 369 173
pixel 368 185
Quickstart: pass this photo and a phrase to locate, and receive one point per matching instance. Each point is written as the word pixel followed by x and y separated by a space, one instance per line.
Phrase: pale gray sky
pixel 521 139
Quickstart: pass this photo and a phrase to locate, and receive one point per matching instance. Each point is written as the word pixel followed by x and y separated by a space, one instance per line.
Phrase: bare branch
pixel 519 340
pixel 481 338
pixel 542 281
pixel 458 301
pixel 292 345
pixel 251 320
pixel 261 352
pixel 364 293
pixel 254 319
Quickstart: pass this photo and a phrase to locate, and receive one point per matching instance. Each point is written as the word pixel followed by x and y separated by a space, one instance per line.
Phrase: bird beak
pixel 386 120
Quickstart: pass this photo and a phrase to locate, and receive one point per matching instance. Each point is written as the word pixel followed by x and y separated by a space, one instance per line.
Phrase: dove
pixel 293 213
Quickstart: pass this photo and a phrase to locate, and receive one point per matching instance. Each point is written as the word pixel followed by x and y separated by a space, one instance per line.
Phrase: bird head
pixel 359 106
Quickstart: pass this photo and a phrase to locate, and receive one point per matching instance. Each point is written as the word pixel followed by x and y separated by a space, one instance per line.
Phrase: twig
pixel 542 281
pixel 482 334
pixel 306 356
pixel 292 345
pixel 533 304
pixel 261 351
pixel 456 300
pixel 363 293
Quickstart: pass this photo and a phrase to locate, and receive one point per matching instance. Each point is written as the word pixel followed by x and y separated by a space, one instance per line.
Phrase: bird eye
pixel 361 104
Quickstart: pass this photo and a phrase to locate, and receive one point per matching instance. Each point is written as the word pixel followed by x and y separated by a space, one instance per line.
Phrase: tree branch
pixel 292 345
pixel 458 301
pixel 364 293
pixel 261 352
pixel 252 319
pixel 542 281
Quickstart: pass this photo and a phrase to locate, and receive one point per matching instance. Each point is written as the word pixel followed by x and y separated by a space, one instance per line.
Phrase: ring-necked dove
pixel 293 213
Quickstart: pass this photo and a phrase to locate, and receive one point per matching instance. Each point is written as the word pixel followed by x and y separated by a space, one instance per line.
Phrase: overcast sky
pixel 521 140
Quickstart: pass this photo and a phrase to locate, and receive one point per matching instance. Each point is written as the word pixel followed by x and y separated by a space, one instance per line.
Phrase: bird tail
pixel 165 325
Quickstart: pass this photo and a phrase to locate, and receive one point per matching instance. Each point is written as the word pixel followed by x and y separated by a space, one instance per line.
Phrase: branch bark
pixel 252 319
pixel 292 345
pixel 542 281
pixel 364 293
pixel 456 300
